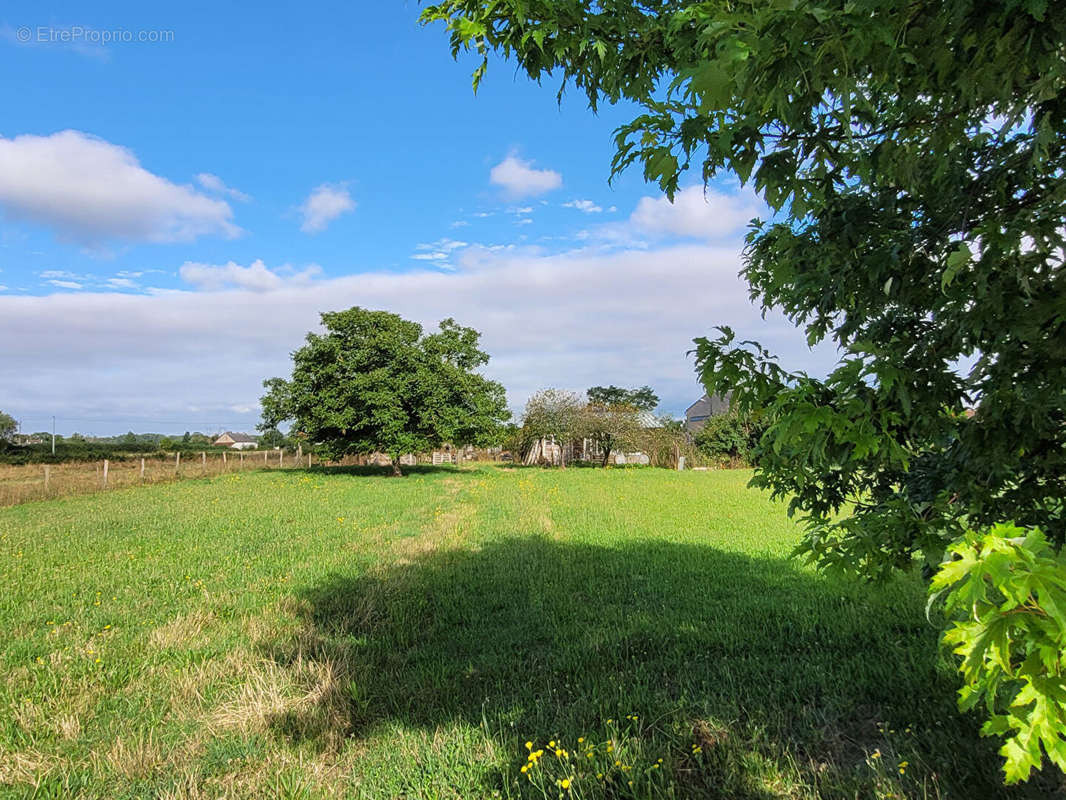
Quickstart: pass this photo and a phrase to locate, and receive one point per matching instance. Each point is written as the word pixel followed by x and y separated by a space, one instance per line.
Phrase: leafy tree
pixel 272 437
pixel 553 414
pixel 611 426
pixel 186 438
pixel 8 426
pixel 642 399
pixel 375 383
pixel 914 155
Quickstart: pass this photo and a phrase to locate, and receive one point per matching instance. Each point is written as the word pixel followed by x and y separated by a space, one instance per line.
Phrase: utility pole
pixel 53 435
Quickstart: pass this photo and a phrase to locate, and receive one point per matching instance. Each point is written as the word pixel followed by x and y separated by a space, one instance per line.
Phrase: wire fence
pixel 27 482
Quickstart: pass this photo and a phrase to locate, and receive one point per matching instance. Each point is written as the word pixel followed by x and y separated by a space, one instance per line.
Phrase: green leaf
pixel 956 260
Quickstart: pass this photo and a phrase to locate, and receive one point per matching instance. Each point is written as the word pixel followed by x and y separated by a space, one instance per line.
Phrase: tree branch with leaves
pixel 913 155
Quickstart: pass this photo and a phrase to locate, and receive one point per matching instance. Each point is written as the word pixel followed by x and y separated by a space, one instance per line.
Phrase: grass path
pixel 340 634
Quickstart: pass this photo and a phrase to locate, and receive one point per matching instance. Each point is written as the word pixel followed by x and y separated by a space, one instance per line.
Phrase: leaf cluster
pixel 1006 589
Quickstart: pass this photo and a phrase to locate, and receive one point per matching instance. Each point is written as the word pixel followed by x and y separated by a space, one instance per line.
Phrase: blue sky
pixel 173 214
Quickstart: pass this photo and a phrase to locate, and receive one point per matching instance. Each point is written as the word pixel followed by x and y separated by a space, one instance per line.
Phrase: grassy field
pixel 337 633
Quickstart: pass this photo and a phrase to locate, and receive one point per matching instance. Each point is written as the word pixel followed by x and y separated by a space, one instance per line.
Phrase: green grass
pixel 341 634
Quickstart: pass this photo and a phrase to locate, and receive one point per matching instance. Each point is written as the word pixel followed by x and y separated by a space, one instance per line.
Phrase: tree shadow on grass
pixel 769 666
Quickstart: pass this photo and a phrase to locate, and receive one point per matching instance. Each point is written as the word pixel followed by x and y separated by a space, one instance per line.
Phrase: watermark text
pixel 83 34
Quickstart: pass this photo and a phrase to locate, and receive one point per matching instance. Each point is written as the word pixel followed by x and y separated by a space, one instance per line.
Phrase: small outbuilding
pixel 236 441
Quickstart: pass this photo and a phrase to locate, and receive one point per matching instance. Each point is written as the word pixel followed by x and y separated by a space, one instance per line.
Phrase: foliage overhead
pixel 374 382
pixel 913 154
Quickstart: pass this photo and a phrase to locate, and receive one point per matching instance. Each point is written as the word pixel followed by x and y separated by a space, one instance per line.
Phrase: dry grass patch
pixel 134 758
pixel 184 630
pixel 24 766
pixel 306 699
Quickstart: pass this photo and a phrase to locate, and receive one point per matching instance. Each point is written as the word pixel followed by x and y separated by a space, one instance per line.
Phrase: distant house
pixel 697 414
pixel 236 441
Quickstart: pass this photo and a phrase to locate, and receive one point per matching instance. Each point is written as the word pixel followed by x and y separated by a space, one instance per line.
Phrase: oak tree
pixel 374 382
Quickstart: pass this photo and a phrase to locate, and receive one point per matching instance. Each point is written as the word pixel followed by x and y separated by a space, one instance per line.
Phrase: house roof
pixel 709 406
pixel 239 438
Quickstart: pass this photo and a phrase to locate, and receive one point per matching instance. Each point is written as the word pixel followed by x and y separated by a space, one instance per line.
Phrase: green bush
pixel 731 437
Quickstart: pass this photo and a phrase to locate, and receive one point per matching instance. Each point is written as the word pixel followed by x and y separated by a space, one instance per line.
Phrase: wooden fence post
pixel 242 459
pixel 142 470
pixel 223 460
pixel 47 475
pixel 309 461
pixel 105 473
pixel 281 458
pixel 203 461
pixel 264 458
pixel 177 462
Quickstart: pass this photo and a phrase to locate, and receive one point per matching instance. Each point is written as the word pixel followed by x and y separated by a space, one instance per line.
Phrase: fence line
pixel 26 482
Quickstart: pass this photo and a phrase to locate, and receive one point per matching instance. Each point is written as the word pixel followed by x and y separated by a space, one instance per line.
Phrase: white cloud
pixel 66 284
pixel 437 256
pixel 3 288
pixel 695 213
pixel 460 223
pixel 571 320
pixel 91 191
pixel 256 277
pixel 323 205
pixel 442 244
pixel 519 179
pixel 584 205
pixel 213 183
pixel 121 283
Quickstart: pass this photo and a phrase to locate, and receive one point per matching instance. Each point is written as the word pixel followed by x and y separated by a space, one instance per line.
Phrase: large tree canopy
pixel 913 155
pixel 642 399
pixel 373 382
